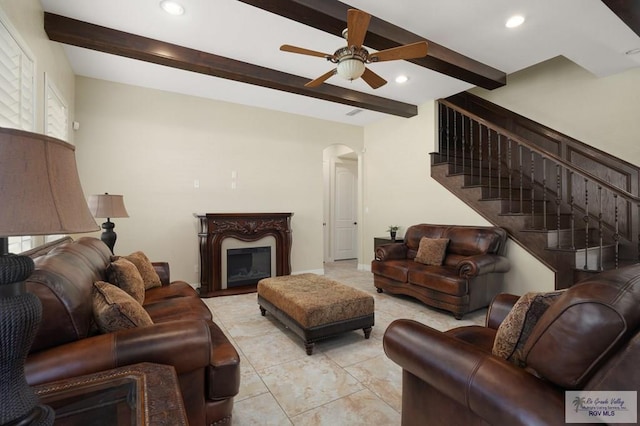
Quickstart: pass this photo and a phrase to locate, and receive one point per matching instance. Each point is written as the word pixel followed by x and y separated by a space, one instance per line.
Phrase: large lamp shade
pixel 40 188
pixel 41 194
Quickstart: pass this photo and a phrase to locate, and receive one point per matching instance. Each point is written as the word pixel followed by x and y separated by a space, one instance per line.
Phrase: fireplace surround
pixel 218 229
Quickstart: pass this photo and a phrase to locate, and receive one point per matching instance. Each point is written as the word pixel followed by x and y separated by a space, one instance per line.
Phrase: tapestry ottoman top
pixel 313 300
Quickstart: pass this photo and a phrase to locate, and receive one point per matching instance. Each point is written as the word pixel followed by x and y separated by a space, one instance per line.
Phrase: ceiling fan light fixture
pixel 172 7
pixel 350 68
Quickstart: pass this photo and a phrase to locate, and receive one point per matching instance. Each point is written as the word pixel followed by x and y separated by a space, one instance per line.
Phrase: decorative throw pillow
pixel 142 262
pixel 114 309
pixel 432 250
pixel 125 275
pixel 515 329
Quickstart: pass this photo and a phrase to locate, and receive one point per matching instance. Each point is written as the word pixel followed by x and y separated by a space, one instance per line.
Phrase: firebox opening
pixel 248 265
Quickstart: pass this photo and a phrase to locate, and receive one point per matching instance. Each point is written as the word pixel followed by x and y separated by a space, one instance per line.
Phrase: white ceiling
pixel 594 38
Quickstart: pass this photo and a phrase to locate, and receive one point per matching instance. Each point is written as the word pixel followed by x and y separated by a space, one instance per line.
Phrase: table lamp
pixel 107 205
pixel 41 195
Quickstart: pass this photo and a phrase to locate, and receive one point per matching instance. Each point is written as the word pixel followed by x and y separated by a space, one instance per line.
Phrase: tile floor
pixel 347 381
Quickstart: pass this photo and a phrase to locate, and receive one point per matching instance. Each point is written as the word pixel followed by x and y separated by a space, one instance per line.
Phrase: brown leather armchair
pixel 587 339
pixel 183 334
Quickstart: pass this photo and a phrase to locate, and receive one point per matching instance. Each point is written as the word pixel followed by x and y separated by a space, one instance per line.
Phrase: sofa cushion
pixel 144 265
pixel 114 309
pixel 585 326
pixel 63 281
pixel 516 328
pixel 175 289
pixel 397 270
pixel 124 274
pixel 177 308
pixel 432 251
pixel 442 279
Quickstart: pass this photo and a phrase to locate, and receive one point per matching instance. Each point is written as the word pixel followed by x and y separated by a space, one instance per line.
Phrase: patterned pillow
pixel 432 250
pixel 142 262
pixel 114 309
pixel 125 275
pixel 515 329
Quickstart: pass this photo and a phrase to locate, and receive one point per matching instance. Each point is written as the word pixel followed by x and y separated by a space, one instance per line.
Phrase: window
pixel 17 82
pixel 55 111
pixel 20 244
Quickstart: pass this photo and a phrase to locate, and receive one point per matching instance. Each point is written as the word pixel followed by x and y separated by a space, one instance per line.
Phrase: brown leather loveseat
pixel 182 334
pixel 586 339
pixel 470 274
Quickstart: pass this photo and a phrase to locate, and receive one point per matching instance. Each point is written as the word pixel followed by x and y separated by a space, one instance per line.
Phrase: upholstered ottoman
pixel 315 307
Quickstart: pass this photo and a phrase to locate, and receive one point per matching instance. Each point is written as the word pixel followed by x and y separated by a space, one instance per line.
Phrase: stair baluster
pixel 489 158
pixel 616 235
pixel 558 203
pixel 471 148
pixel 533 197
pixel 499 167
pixel 455 141
pixel 480 153
pixel 520 167
pixel 600 230
pixel 510 172
pixel 585 218
pixel 544 193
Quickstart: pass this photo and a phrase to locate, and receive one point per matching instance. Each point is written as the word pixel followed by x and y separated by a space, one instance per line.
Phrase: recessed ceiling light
pixel 514 21
pixel 402 79
pixel 171 7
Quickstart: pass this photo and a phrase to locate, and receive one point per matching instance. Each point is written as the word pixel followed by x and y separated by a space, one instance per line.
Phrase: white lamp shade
pixel 40 188
pixel 350 68
pixel 107 205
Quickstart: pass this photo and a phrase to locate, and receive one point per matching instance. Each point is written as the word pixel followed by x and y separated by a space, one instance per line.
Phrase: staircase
pixel 573 207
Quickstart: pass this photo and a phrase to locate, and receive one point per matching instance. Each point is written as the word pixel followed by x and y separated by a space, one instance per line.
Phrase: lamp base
pixel 20 315
pixel 109 236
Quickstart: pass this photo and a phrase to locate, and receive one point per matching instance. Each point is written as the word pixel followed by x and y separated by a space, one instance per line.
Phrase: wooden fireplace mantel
pixel 215 227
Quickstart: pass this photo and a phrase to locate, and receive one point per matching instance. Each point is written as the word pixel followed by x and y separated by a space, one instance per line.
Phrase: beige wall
pixel 602 112
pixel 151 145
pixel 27 18
pixel 399 190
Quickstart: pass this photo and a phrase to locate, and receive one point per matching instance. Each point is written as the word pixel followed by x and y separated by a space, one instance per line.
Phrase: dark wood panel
pixel 628 11
pixel 330 16
pixel 102 39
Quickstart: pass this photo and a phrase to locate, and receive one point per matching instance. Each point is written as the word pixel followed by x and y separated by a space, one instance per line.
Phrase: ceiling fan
pixel 352 58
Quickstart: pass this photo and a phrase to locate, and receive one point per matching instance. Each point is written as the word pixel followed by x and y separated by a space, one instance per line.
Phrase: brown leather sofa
pixel 183 334
pixel 470 275
pixel 586 340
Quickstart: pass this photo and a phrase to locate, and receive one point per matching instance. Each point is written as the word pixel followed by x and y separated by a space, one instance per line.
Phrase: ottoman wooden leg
pixel 367 332
pixel 263 311
pixel 309 347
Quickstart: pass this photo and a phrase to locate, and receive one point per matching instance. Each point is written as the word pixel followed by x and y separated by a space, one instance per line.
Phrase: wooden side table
pixel 378 241
pixel 139 394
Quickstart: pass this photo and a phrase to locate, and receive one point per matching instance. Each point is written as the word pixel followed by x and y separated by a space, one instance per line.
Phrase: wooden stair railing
pixel 571 219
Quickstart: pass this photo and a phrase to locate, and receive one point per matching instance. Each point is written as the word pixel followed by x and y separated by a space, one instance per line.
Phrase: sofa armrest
pixel 490 387
pixel 500 306
pixel 162 269
pixel 393 251
pixel 184 344
pixel 473 266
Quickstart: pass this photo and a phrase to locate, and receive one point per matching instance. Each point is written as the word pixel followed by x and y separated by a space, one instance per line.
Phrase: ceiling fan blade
pixel 324 77
pixel 303 51
pixel 408 51
pixel 357 24
pixel 373 79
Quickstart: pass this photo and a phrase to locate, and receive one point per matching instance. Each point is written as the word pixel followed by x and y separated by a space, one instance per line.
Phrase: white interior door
pixel 346 213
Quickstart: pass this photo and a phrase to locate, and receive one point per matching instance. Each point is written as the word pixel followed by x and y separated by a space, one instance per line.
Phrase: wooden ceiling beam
pixel 331 16
pixel 82 34
pixel 628 11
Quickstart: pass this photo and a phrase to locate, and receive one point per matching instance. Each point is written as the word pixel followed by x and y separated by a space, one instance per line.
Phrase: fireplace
pixel 239 249
pixel 247 262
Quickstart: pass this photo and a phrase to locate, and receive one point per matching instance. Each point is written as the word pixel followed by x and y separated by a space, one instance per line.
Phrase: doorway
pixel 341 232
